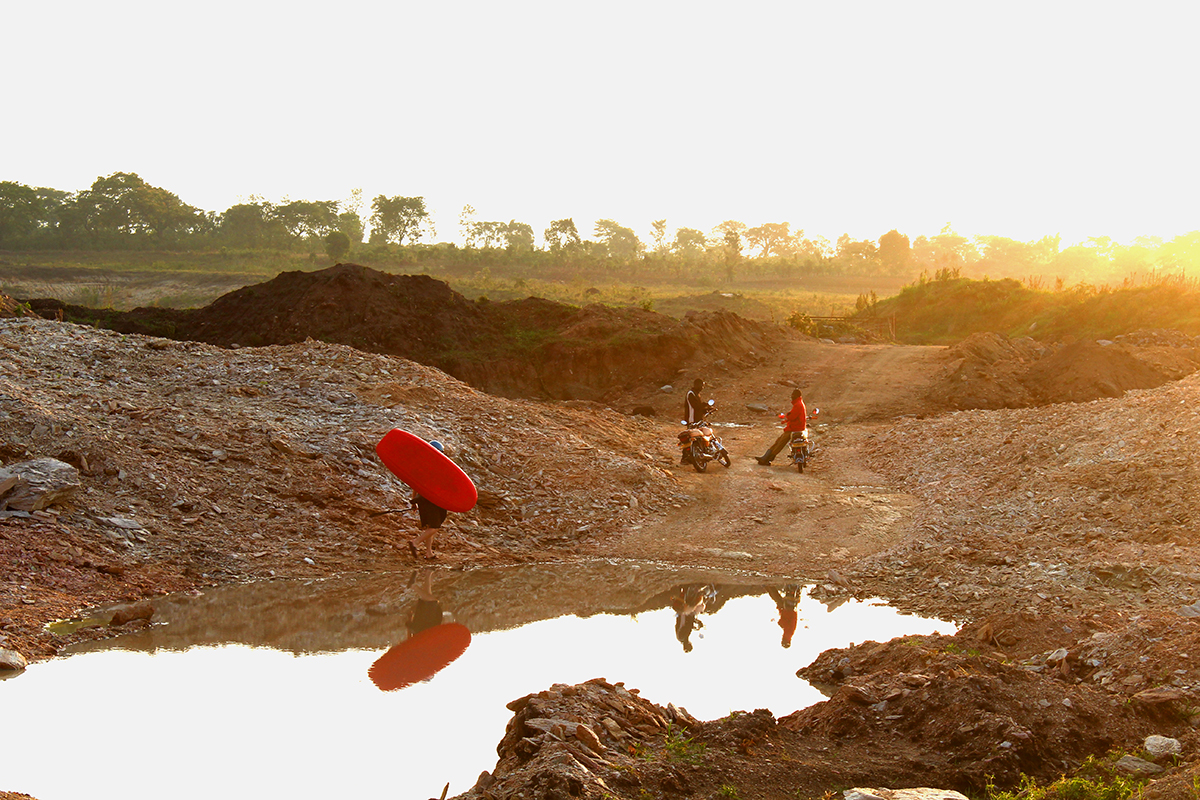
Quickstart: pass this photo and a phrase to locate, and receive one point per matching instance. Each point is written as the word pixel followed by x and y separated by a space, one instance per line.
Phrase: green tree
pixel 486 234
pixel 658 230
pixel 1081 264
pixel 895 253
pixel 466 218
pixel 619 242
pixel 518 237
pixel 1001 256
pixel 731 247
pixel 337 244
pixel 722 231
pixel 689 242
pixel 122 206
pixel 400 219
pixel 1182 252
pixel 306 219
pixel 251 225
pixel 857 256
pixel 946 251
pixel 771 239
pixel 26 213
pixel 562 235
pixel 351 224
pixel 349 219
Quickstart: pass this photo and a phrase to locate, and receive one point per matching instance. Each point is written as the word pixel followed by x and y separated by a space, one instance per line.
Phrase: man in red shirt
pixel 797 420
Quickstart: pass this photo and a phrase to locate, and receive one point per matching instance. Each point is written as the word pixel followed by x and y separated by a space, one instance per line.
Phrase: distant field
pixel 124 281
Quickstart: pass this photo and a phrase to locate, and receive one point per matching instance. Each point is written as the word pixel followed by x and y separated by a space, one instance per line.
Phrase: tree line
pixel 122 211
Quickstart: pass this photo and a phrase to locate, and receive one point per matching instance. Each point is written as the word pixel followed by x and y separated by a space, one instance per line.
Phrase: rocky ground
pixel 1051 515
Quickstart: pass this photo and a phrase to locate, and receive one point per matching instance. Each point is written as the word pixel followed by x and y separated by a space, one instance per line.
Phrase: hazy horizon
pixel 1036 120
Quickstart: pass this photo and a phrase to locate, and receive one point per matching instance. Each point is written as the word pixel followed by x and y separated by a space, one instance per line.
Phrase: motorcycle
pixel 699 444
pixel 802 448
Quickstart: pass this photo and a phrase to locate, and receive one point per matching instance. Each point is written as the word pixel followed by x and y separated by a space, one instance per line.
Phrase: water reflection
pixel 282 674
pixel 432 644
pixel 786 601
pixel 689 603
pixel 367 611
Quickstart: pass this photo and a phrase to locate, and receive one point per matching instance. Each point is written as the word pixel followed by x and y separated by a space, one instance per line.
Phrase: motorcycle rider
pixel 797 420
pixel 688 605
pixel 693 412
pixel 693 406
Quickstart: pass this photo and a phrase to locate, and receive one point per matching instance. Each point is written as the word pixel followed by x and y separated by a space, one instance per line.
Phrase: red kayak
pixel 429 471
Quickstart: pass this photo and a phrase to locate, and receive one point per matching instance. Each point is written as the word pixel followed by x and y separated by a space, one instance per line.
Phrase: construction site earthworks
pixel 1039 495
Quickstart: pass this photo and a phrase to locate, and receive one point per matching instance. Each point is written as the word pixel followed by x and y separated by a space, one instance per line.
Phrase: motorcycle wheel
pixel 698 459
pixel 723 457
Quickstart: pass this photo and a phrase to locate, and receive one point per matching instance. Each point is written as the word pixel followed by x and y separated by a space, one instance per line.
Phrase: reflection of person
pixel 432 640
pixel 785 604
pixel 688 604
pixel 432 516
pixel 428 610
pixel 796 421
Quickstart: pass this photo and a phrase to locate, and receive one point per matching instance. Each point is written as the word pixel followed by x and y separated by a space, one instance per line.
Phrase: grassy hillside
pixel 948 310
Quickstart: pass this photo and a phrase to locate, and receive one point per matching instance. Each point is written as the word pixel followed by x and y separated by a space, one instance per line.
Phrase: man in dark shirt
pixel 693 406
pixel 693 412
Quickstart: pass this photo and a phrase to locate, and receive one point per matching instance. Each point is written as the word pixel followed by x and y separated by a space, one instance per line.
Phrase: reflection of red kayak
pixel 420 657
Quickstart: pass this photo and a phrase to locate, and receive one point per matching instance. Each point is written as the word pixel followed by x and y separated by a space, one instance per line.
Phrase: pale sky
pixel 1017 119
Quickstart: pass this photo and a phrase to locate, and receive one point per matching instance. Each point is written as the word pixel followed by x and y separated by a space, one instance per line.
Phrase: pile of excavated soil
pixel 522 348
pixel 988 370
pixel 993 721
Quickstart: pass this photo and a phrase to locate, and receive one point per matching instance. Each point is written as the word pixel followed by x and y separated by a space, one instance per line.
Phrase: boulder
pixel 38 484
pixel 11 659
pixel 902 794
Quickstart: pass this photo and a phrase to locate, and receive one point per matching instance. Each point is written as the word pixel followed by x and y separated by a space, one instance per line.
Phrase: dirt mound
pixel 524 348
pixel 993 721
pixel 413 316
pixel 990 371
pixel 990 348
pixel 1086 370
pixel 921 710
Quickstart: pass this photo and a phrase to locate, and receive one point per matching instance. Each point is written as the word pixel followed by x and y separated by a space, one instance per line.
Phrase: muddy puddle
pixel 396 685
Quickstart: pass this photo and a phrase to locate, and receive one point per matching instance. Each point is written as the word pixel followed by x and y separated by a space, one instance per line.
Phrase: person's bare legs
pixel 425 588
pixel 424 537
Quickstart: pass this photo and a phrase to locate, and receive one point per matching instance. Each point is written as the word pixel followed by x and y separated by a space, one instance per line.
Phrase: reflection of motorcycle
pixel 688 605
pixel 700 444
pixel 802 444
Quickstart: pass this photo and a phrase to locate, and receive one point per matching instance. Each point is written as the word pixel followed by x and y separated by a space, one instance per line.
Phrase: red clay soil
pixel 520 348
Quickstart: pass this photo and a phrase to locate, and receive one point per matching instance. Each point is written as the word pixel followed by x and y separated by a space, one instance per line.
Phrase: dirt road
pixel 773 518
